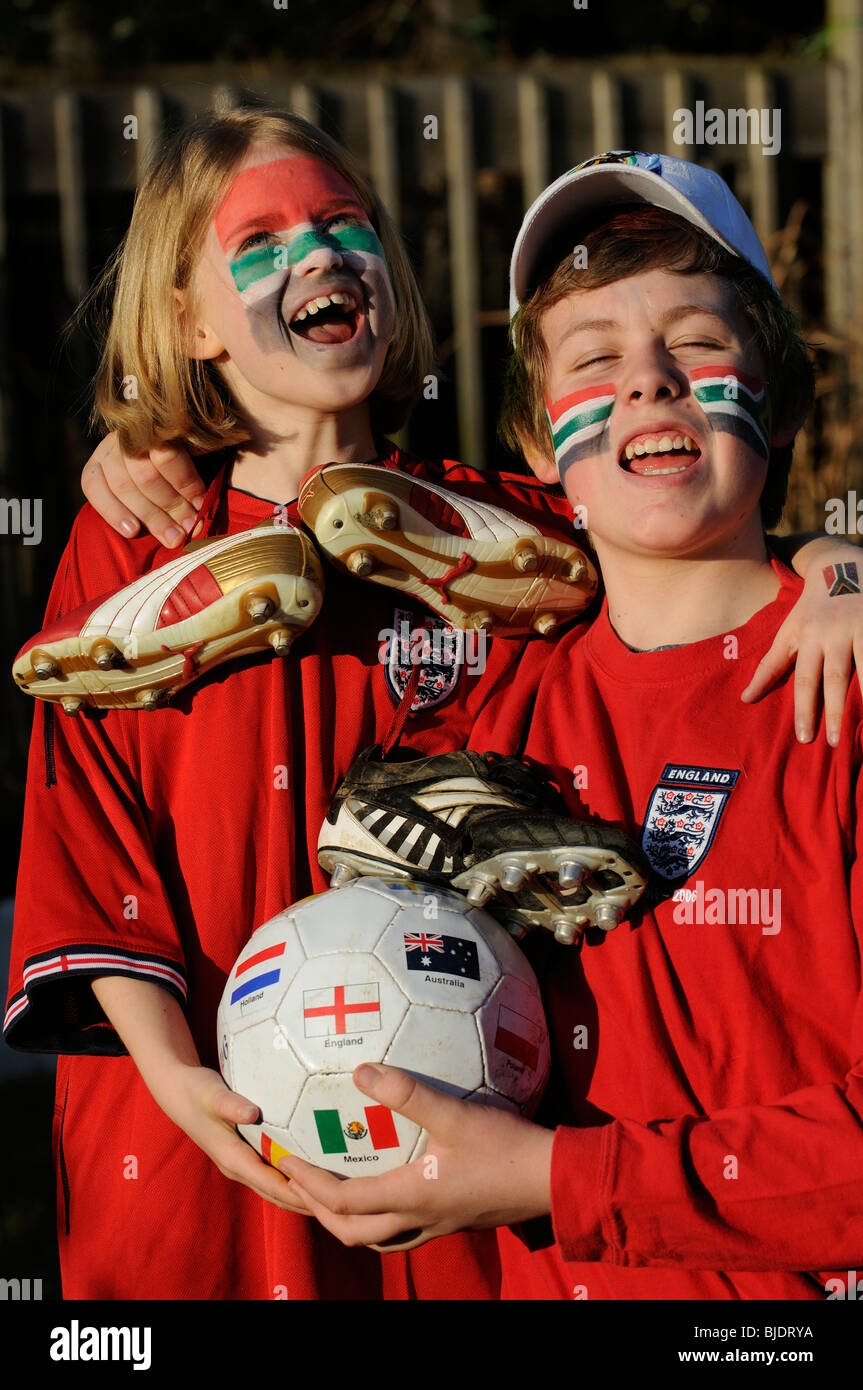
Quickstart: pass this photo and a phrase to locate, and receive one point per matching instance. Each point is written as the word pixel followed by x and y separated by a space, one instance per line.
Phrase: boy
pixel 710 1140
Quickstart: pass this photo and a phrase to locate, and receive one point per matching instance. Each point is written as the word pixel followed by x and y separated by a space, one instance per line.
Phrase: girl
pixel 171 835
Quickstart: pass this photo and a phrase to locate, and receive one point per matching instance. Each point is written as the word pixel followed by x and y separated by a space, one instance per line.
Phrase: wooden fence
pixel 442 151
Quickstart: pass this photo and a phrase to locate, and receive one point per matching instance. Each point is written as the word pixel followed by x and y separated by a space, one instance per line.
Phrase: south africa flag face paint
pixel 734 403
pixel 579 424
pixel 252 270
pixel 293 227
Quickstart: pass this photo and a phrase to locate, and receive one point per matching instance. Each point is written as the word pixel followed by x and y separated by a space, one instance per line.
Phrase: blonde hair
pixel 146 387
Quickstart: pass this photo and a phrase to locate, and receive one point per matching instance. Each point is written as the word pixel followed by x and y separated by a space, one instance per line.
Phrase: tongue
pixel 334 332
pixel 658 463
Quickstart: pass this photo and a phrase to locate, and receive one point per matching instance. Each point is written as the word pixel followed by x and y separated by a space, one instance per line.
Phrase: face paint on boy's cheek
pixel 734 403
pixel 579 425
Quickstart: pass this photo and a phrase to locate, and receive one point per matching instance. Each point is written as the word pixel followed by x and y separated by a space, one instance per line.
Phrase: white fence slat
pixel 607 105
pixel 147 106
pixel 461 207
pixel 760 96
pixel 383 145
pixel 533 137
pixel 70 187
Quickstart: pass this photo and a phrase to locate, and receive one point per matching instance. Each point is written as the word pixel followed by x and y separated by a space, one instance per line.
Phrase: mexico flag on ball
pixel 336 1129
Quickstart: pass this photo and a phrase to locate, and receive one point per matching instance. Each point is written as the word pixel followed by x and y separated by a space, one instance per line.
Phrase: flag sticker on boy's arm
pixel 734 403
pixel 841 579
pixel 579 424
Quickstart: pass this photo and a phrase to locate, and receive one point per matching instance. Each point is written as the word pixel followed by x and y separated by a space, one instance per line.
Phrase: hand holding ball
pixel 378 971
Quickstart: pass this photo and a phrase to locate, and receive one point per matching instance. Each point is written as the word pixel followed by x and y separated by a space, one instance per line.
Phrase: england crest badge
pixel 435 646
pixel 684 811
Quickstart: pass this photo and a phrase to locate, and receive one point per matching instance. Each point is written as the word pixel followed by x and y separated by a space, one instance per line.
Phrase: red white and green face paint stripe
pixel 579 424
pixel 291 207
pixel 253 270
pixel 734 403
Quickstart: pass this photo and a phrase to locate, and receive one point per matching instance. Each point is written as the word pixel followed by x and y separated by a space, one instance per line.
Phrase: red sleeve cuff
pixel 579 1184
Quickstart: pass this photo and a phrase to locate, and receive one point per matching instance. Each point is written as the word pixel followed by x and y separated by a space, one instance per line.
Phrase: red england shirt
pixel 708 1094
pixel 154 843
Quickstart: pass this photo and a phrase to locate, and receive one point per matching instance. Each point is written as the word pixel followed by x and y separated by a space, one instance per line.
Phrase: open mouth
pixel 659 453
pixel 328 318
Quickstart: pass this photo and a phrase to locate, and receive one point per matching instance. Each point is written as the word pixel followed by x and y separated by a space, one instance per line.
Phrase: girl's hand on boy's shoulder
pixel 823 637
pixel 162 489
pixel 483 1167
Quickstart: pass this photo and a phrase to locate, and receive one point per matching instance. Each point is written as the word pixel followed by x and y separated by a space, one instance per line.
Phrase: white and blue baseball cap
pixel 627 176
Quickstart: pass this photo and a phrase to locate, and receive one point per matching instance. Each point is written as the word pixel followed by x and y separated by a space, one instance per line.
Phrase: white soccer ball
pixel 377 971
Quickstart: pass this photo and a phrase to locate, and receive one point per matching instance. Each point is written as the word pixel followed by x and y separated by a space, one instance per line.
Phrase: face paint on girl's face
pixel 579 425
pixel 734 403
pixel 295 233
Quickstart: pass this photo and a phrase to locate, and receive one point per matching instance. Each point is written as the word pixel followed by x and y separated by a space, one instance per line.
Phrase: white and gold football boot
pixel 476 564
pixel 217 600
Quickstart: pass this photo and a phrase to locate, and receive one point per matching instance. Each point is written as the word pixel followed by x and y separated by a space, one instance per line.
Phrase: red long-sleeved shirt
pixel 709 1051
pixel 154 843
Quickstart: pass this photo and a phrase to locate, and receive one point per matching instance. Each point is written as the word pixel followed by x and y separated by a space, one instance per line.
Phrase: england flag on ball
pixel 341 1009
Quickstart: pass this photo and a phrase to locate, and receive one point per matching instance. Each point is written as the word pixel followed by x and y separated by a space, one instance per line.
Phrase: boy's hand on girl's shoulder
pixel 483 1167
pixel 824 632
pixel 162 489
pixel 198 1101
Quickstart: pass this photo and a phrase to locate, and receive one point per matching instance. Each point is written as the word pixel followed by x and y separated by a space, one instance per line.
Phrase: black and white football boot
pixel 488 826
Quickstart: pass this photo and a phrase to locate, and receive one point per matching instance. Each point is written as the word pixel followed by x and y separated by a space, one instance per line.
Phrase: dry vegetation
pixel 828 455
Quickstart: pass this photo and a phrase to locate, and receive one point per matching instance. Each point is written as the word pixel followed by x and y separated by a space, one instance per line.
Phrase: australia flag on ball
pixel 683 815
pixel 441 955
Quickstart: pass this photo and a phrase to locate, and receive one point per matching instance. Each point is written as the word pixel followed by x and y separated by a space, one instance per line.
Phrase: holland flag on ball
pixel 264 971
